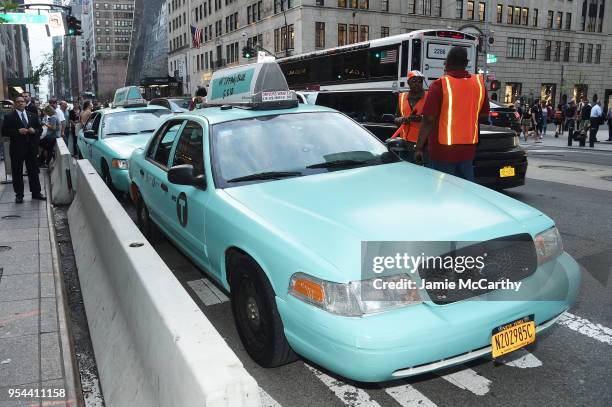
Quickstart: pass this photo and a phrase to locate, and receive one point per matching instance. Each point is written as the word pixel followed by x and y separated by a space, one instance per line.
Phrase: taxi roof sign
pixel 258 86
pixel 128 96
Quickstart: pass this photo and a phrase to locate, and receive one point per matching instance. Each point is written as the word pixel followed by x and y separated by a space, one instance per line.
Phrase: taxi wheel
pixel 145 224
pixel 108 180
pixel 256 316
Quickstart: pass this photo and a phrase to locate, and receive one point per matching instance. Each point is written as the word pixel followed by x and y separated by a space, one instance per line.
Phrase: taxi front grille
pixel 510 259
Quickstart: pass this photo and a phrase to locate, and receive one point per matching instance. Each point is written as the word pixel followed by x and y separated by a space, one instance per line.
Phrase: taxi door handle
pixel 142 173
pixel 164 187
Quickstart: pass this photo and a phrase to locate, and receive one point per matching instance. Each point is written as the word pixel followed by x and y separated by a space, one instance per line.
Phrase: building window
pixel 535 17
pixel 517 16
pixel 581 53
pixel 459 10
pixel 342 3
pixel 568 21
pixel 589 58
pixel 411 6
pixel 364 4
pixel 341 34
pixel 512 91
pixel 557 51
pixel 598 53
pixel 320 3
pixel 548 92
pixel 510 14
pixel 470 10
pixel 525 16
pixel 559 21
pixel 384 5
pixel 549 20
pixel 319 35
pixel 566 52
pixel 364 33
pixel 500 13
pixel 516 48
pixel 352 33
pixel 384 32
pixel 547 50
pixel 534 49
pixel 482 10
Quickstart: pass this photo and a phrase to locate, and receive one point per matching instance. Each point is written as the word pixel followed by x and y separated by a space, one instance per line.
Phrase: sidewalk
pixel 550 141
pixel 34 343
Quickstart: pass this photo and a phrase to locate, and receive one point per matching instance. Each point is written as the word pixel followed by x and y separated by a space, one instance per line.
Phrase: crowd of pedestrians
pixel 581 119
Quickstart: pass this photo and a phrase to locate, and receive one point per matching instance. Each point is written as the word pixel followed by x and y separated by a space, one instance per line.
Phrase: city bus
pixel 377 64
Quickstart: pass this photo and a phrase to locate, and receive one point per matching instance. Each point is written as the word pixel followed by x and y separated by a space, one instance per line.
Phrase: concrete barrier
pixel 62 191
pixel 153 345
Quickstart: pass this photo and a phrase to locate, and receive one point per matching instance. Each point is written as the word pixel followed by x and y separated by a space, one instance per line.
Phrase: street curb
pixel 74 392
pixel 568 148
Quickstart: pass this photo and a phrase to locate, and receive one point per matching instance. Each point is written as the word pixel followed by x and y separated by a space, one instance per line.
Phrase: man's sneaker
pixel 19 199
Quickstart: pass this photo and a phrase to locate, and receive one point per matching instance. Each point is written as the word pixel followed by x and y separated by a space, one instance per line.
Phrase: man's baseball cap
pixel 412 74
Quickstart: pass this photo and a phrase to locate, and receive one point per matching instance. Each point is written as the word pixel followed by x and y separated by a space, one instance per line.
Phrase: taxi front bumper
pixel 424 337
pixel 121 179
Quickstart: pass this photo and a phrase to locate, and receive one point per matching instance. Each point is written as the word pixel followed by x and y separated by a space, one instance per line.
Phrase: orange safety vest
pixel 461 103
pixel 410 131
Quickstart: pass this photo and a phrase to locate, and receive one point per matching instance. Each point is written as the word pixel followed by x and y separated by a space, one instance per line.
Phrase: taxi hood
pixel 332 213
pixel 123 146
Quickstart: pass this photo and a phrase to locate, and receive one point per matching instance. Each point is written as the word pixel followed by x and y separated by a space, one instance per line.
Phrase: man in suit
pixel 24 130
pixel 30 104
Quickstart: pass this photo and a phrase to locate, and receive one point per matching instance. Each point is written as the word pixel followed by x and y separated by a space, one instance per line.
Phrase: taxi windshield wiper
pixel 342 163
pixel 119 133
pixel 267 175
pixel 147 131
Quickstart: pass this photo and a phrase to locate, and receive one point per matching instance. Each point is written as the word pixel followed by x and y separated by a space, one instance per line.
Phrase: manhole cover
pixel 560 168
pixel 11 217
pixel 5 248
pixel 607 177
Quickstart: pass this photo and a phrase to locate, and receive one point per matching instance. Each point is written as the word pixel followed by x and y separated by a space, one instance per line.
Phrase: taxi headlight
pixel 548 245
pixel 120 164
pixel 356 298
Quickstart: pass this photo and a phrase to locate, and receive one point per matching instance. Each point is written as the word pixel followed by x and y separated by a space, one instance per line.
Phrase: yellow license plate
pixel 512 336
pixel 507 171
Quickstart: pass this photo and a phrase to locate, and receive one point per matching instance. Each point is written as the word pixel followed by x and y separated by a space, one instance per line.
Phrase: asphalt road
pixel 567 366
pixel 584 156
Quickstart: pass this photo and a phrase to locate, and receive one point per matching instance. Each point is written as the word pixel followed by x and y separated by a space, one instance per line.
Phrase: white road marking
pixel 408 396
pixel 267 400
pixel 522 359
pixel 207 291
pixel 468 379
pixel 586 327
pixel 349 395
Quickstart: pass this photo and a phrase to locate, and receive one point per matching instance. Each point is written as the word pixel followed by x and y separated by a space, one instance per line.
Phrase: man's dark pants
pixel 17 170
pixel 462 169
pixel 593 131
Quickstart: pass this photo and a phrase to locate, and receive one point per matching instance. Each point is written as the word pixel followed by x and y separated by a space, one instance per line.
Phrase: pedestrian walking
pixel 51 133
pixel 585 114
pixel 559 120
pixel 570 120
pixel 65 126
pixel 536 119
pixel 455 104
pixel 24 129
pixel 609 124
pixel 410 109
pixel 546 117
pixel 74 115
pixel 595 120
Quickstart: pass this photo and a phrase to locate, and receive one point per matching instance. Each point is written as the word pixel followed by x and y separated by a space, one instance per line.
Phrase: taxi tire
pixel 144 222
pixel 106 177
pixel 266 344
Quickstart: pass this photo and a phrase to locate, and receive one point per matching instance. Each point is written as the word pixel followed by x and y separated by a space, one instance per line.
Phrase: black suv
pixel 499 164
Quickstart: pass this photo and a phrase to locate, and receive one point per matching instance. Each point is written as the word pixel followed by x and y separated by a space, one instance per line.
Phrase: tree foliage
pixel 5 7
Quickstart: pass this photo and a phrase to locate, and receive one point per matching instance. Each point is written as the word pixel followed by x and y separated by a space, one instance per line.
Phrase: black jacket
pixel 21 144
pixel 32 108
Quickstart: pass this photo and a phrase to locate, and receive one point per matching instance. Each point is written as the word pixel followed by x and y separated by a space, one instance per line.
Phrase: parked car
pixel 499 164
pixel 275 200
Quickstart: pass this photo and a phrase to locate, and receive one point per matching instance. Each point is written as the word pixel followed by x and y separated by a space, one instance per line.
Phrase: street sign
pixel 56 25
pixel 491 58
pixel 22 18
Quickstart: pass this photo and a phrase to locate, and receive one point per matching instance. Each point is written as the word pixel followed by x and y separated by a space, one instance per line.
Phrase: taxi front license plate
pixel 512 336
pixel 507 171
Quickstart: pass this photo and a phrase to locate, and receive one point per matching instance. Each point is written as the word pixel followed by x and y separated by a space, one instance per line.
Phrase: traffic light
pixel 495 85
pixel 248 51
pixel 74 26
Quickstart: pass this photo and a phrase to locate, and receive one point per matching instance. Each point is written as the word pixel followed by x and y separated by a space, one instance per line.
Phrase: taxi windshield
pixel 132 122
pixel 290 145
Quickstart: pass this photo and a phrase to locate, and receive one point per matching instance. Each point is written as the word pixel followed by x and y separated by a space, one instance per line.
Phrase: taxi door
pixel 188 203
pixel 154 187
pixel 86 145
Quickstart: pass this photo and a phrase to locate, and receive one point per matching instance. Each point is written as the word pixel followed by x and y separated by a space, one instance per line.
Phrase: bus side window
pixel 416 55
pixel 405 52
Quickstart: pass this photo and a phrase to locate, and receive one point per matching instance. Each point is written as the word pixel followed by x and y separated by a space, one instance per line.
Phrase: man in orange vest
pixel 410 109
pixel 455 103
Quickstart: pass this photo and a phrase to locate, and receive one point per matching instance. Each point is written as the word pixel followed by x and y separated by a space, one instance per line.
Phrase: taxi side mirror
pixel 90 134
pixel 396 144
pixel 184 175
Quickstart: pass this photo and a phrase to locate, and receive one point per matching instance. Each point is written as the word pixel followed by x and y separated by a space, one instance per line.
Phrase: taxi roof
pixel 129 109
pixel 215 115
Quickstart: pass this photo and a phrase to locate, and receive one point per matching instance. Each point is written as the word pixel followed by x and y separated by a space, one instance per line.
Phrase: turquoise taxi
pixel 110 135
pixel 283 205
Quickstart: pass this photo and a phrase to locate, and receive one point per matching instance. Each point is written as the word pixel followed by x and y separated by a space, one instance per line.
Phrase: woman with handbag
pixel 51 128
